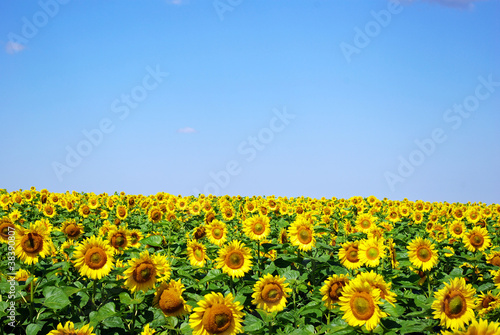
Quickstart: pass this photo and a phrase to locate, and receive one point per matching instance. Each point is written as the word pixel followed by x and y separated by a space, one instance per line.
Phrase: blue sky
pixel 288 98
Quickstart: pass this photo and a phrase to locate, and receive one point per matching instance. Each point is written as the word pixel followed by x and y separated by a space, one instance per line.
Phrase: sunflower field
pixel 81 263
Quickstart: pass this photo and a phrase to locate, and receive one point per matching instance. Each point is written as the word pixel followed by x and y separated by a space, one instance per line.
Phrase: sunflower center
pixel 272 293
pixel 5 231
pixel 457 230
pixel 495 260
pixel 217 233
pixel 372 253
pixel 134 238
pixel 32 243
pixel 423 253
pixel 476 240
pixel 170 302
pixel 217 319
pixel 198 254
pixel 119 240
pixel 199 233
pixel 235 259
pixel 335 291
pixel 455 305
pixel 95 258
pixel 365 224
pixel 486 302
pixel 304 235
pixel 362 306
pixel 144 272
pixel 352 254
pixel 72 230
pixel 258 228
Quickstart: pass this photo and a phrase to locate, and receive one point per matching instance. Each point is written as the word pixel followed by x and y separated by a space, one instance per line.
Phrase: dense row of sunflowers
pixel 115 264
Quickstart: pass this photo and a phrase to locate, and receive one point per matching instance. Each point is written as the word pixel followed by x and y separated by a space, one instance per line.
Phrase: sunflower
pixel 371 251
pixel 32 243
pixel 332 289
pixel 143 272
pixel 477 239
pixel 121 212
pixel 365 222
pixel 135 236
pixel 217 314
pixel 377 282
pixel 228 212
pixel 69 329
pixel 234 259
pixel 84 210
pixel 71 229
pixel 216 231
pixel 49 210
pixel 7 229
pixel 483 327
pixel 283 237
pixel 348 255
pixel 457 228
pixel 392 253
pixel 155 214
pixel 270 293
pixel 197 253
pixel 301 233
pixel 493 257
pixel 257 227
pixel 422 253
pixel 496 277
pixel 147 330
pixel 360 304
pixel 454 304
pixel 94 258
pixel 168 298
pixel 487 302
pixel 118 238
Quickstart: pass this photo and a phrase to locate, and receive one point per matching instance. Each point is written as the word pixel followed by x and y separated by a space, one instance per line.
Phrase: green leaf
pixel 55 298
pixel 395 310
pixel 125 299
pixel 153 240
pixel 252 323
pixel 33 328
pixel 102 314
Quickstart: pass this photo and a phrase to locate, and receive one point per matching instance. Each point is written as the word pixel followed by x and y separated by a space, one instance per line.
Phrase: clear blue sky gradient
pixel 360 93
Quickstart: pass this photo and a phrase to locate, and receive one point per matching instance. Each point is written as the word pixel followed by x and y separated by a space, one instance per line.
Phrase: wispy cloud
pixel 13 47
pixel 461 4
pixel 177 2
pixel 186 130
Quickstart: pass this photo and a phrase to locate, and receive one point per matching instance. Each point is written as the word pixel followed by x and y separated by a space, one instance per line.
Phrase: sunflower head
pixel 93 258
pixel 477 239
pixel 32 243
pixel 196 253
pixel 234 259
pixel 72 229
pixel 168 298
pixel 143 272
pixel 301 233
pixel 422 253
pixel 270 293
pixel 69 329
pixel 371 251
pixel 332 289
pixel 349 256
pixel 216 231
pixel 257 227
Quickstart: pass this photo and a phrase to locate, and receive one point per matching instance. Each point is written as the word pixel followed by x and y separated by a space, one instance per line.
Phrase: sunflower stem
pixel 134 314
pixel 428 283
pixel 258 259
pixel 94 290
pixel 32 293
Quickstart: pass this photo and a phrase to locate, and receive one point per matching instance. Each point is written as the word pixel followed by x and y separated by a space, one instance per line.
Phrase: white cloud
pixel 186 130
pixel 13 47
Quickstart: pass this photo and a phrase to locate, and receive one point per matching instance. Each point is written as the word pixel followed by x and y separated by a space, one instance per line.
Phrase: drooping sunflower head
pixel 217 314
pixel 349 255
pixel 93 258
pixel 235 259
pixel 197 254
pixel 332 289
pixel 155 214
pixel 477 239
pixel 270 293
pixel 69 329
pixel 199 232
pixel 32 243
pixel 216 232
pixel 143 272
pixel 301 233
pixel 72 229
pixel 454 304
pixel 371 251
pixel 168 298
pixel 7 228
pixel 360 304
pixel 257 227
pixel 422 253
pixel 135 237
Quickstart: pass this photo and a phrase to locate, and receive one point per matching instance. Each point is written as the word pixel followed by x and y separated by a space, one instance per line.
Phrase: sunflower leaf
pixel 55 298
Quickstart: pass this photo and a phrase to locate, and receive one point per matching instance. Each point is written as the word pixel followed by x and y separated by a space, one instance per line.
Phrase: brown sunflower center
pixel 198 254
pixel 4 230
pixel 86 211
pixel 134 238
pixel 365 224
pixel 352 254
pixel 144 272
pixel 486 301
pixel 457 230
pixel 95 258
pixel 335 291
pixel 477 240
pixel 170 302
pixel 258 228
pixel 119 240
pixel 199 233
pixel 235 259
pixel 217 319
pixel 304 235
pixel 72 230
pixel 32 243
pixel 495 260
pixel 217 233
pixel 372 253
pixel 455 305
pixel 272 293
pixel 362 306
pixel 424 254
